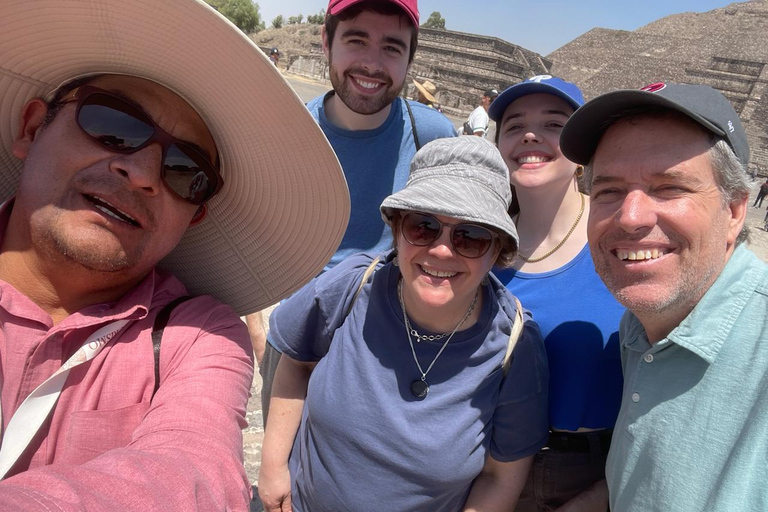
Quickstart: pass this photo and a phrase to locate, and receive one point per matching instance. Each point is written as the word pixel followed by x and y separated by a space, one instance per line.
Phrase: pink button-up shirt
pixel 104 447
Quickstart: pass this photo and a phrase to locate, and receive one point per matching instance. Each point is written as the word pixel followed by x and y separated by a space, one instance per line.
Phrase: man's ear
pixel 30 122
pixel 738 216
pixel 200 214
pixel 326 46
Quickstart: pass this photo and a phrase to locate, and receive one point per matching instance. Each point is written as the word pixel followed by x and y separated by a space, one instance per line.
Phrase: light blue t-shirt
pixel 692 434
pixel 579 319
pixel 376 163
pixel 365 442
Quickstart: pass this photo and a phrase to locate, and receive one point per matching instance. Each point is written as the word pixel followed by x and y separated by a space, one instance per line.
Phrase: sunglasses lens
pixel 420 229
pixel 188 174
pixel 471 241
pixel 113 123
pixel 119 126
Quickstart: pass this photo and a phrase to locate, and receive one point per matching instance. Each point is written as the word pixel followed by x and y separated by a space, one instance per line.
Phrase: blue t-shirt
pixel 365 442
pixel 376 163
pixel 579 319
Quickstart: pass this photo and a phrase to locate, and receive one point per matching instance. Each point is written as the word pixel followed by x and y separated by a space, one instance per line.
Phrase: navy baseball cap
pixel 701 103
pixel 546 84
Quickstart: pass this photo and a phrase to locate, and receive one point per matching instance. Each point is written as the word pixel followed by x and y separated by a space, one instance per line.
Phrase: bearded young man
pixel 665 167
pixel 370 46
pixel 145 209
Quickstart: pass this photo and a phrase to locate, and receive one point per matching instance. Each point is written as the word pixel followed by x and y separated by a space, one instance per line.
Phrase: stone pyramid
pixel 725 48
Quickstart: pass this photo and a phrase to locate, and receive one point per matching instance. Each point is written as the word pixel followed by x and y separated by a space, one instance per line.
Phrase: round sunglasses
pixel 468 240
pixel 122 127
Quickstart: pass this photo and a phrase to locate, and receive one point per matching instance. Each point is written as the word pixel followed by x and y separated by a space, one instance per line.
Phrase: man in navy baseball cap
pixel 665 168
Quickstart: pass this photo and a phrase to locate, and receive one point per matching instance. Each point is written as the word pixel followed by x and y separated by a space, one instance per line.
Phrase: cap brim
pixel 584 129
pixel 503 100
pixel 435 197
pixel 284 206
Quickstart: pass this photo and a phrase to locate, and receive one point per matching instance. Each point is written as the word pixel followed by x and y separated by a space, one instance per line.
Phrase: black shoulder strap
pixel 161 320
pixel 413 125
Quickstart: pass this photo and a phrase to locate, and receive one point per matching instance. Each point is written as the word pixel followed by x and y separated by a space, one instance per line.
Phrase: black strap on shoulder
pixel 413 125
pixel 161 320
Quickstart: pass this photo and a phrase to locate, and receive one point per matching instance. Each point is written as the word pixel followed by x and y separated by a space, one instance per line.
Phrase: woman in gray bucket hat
pixel 414 402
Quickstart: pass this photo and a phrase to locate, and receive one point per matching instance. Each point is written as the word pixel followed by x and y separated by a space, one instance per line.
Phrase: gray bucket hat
pixel 460 177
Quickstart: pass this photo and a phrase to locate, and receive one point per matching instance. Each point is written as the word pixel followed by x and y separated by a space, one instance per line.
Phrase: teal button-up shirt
pixel 692 433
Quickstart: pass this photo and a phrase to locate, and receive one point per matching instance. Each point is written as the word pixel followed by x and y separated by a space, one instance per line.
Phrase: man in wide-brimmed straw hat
pixel 139 168
pixel 426 92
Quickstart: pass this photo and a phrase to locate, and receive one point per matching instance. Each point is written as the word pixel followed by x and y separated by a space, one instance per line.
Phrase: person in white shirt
pixel 478 121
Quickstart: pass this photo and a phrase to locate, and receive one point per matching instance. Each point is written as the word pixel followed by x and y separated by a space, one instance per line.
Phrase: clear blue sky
pixel 541 26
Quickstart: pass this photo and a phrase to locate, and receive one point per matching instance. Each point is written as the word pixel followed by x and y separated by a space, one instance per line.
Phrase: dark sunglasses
pixel 468 240
pixel 122 127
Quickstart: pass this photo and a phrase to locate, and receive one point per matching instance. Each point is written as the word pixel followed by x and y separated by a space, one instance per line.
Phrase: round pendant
pixel 419 388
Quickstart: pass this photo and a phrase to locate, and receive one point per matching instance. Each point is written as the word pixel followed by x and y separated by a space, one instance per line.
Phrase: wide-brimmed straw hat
pixel 284 206
pixel 460 177
pixel 428 89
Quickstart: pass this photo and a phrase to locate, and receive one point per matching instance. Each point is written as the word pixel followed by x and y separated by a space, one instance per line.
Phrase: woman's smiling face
pixel 529 140
pixel 436 276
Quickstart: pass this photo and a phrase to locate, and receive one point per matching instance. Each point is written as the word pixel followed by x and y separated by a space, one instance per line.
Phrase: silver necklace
pixel 425 337
pixel 420 387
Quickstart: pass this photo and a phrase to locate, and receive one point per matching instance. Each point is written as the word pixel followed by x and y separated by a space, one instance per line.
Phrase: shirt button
pixel 648 358
pixel 635 397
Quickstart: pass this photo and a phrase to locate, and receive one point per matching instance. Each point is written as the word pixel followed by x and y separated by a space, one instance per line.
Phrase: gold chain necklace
pixel 552 251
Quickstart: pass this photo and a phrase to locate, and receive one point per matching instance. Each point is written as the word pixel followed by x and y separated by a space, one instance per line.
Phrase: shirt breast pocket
pixel 92 433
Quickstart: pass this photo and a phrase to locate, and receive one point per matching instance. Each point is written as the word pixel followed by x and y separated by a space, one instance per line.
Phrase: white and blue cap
pixel 546 84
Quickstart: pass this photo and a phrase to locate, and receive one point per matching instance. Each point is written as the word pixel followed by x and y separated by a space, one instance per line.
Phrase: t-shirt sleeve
pixel 479 121
pixel 520 421
pixel 303 326
pixel 430 124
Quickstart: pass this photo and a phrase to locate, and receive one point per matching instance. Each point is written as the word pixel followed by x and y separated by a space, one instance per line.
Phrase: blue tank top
pixel 579 320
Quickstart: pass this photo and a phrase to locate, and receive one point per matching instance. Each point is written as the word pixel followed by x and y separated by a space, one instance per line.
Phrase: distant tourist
pixel 478 121
pixel 666 173
pixel 761 195
pixel 274 56
pixel 369 126
pixel 425 92
pixel 553 268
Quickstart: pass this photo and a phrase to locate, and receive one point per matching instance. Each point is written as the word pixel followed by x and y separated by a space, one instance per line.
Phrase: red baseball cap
pixel 409 6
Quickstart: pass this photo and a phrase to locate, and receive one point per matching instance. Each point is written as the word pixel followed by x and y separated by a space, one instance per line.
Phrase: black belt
pixel 596 443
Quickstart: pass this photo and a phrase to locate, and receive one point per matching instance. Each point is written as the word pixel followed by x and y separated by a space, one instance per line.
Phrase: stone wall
pixel 461 65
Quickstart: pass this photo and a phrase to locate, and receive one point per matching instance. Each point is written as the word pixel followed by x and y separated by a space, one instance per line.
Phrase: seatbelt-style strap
pixel 161 320
pixel 413 126
pixel 514 336
pixel 32 413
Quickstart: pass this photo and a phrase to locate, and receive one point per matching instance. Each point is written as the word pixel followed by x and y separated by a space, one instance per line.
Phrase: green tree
pixel 295 20
pixel 278 21
pixel 243 13
pixel 317 19
pixel 435 20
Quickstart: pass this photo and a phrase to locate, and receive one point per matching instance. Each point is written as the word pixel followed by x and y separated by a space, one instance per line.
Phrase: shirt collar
pixel 706 328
